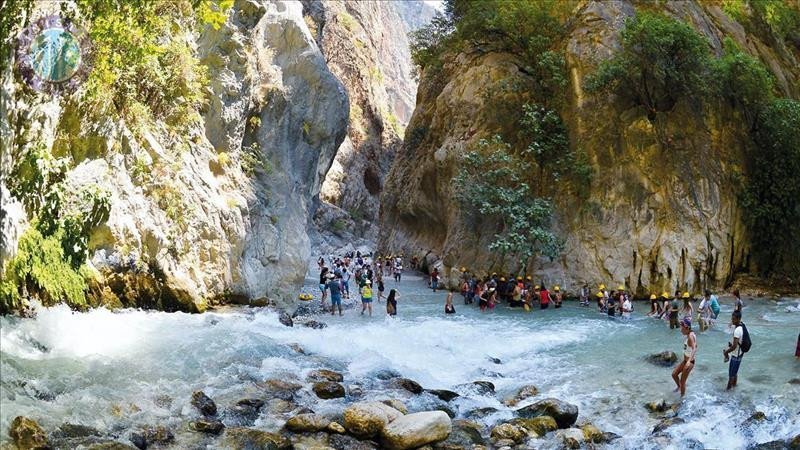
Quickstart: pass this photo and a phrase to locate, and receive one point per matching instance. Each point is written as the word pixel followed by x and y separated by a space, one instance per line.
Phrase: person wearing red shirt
pixel 544 297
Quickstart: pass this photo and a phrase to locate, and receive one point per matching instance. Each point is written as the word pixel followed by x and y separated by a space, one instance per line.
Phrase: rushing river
pixel 117 370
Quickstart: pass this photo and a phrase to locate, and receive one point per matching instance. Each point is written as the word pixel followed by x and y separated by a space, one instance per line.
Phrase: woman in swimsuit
pixel 681 373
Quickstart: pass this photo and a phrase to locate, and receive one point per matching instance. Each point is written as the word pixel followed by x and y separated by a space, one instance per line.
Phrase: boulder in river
pixel 71 430
pixel 151 435
pixel 540 425
pixel 509 431
pixel 365 420
pixel 523 393
pixel 328 390
pixel 307 423
pixel 203 403
pixel 396 404
pixel 756 417
pixel 281 389
pixel 565 414
pixel 345 442
pixel 484 387
pixel 386 374
pixel 480 413
pixel 208 426
pixel 665 359
pixel 666 423
pixel 571 437
pixel 324 375
pixel 286 319
pixel 249 438
pixel 592 434
pixel 335 427
pixel 27 434
pixel 416 430
pixel 443 394
pixel 465 434
pixel 407 384
pixel 110 445
pixel 314 324
pixel 494 360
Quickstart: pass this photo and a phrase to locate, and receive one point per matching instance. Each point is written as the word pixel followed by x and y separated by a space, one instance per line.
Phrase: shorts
pixel 336 300
pixel 733 368
pixel 366 300
pixel 322 288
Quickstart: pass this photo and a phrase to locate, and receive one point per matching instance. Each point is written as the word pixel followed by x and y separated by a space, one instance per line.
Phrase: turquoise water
pixel 107 370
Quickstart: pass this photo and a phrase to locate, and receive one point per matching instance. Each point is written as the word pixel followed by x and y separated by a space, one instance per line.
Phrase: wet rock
pixel 794 381
pixel 657 406
pixel 163 401
pixel 208 426
pixel 325 375
pixel 757 416
pixel 386 374
pixel 445 409
pixel 592 434
pixel 249 438
pixel 480 413
pixel 666 423
pixel 771 445
pixel 314 324
pixel 509 431
pixel 355 390
pixel 110 445
pixel 416 430
pixel 484 387
pixel 203 403
pixel 794 444
pixel 504 444
pixel 71 430
pixel 311 423
pixel 244 412
pixel 27 434
pixel 286 319
pixel 254 403
pixel 277 406
pixel 609 436
pixel 396 404
pixel 407 384
pixel 281 389
pixel 465 434
pixel 345 442
pixel 335 427
pixel 523 393
pixel 665 359
pixel 296 347
pixel 366 419
pixel 564 413
pixel 540 425
pixel 151 435
pixel 495 360
pixel 571 437
pixel 328 390
pixel 443 394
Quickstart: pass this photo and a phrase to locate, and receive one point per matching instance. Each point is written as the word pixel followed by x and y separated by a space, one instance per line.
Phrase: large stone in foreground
pixel 366 420
pixel 27 434
pixel 565 414
pixel 665 359
pixel 328 390
pixel 416 430
pixel 303 423
pixel 249 438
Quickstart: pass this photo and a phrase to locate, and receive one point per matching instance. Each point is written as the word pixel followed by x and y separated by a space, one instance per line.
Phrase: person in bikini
pixel 681 373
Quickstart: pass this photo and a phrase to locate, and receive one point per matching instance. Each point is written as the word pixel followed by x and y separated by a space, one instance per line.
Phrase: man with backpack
pixel 741 345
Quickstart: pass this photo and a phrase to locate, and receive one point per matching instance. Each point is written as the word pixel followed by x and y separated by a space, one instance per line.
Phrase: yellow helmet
pixel 685 295
pixel 556 288
pixel 599 295
pixel 502 278
pixel 664 294
pixel 519 278
pixel 602 286
pixel 528 277
pixel 620 288
pixel 463 269
pixel 652 296
pixel 537 287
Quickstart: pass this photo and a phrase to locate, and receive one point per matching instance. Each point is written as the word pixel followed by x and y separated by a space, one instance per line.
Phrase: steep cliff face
pixel 221 212
pixel 365 46
pixel 663 209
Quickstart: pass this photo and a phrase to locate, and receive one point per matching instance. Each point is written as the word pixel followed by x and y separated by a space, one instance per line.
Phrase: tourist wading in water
pixel 391 302
pixel 681 373
pixel 740 344
pixel 366 297
pixel 448 304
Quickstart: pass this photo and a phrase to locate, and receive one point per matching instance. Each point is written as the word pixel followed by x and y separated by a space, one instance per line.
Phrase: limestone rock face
pixel 226 211
pixel 663 208
pixel 365 46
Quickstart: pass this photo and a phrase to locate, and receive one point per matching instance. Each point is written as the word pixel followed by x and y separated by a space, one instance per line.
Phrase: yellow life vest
pixel 366 291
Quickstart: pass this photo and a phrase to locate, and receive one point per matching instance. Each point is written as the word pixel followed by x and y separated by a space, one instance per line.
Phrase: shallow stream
pixel 118 370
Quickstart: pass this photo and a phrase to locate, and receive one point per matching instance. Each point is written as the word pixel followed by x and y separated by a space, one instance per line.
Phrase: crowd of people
pixel 367 274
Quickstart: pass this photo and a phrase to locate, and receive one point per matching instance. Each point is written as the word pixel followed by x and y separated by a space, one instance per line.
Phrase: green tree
pixel 743 80
pixel 772 202
pixel 491 187
pixel 662 59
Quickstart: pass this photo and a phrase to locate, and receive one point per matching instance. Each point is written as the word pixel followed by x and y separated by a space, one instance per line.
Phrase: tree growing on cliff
pixel 743 80
pixel 491 186
pixel 662 59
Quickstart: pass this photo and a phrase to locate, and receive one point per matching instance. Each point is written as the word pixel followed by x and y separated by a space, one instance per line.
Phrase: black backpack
pixel 746 342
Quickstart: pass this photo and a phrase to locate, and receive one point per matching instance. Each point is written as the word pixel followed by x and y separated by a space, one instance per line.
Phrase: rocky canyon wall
pixel 218 214
pixel 662 210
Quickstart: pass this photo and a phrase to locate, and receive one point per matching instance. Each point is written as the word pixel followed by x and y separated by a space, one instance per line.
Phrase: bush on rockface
pixel 743 80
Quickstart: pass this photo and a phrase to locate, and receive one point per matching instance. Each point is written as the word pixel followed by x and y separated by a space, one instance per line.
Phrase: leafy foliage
pixel 13 17
pixel 491 186
pixel 772 199
pixel 743 80
pixel 662 59
pixel 213 13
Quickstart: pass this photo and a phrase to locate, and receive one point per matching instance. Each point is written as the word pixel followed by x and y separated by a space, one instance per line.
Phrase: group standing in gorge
pixel 368 275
